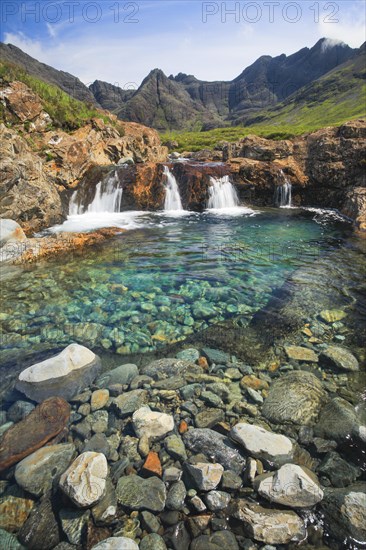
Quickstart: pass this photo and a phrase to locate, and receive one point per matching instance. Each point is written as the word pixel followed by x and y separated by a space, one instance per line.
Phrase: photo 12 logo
pixel 270 12
pixel 54 12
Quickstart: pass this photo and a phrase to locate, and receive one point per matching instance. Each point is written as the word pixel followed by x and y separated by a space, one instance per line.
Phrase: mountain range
pixel 270 87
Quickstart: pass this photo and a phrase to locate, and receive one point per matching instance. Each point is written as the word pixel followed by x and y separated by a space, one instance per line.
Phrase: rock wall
pixel 39 164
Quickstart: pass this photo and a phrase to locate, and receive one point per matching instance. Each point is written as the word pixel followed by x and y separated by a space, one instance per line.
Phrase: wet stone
pixel 216 541
pixel 41 530
pixel 175 447
pixel 127 403
pixel 231 481
pixel 211 399
pixel 116 543
pixel 217 500
pixel 207 418
pixel 216 356
pixel 299 353
pixel 136 493
pixel 123 374
pixel 14 512
pixel 205 476
pixel 152 542
pixel 9 541
pixel 150 522
pixel 338 471
pixel 98 443
pixel 176 496
pixel 189 354
pixel 99 399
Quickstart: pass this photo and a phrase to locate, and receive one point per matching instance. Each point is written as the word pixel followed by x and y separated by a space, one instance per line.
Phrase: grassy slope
pixel 66 112
pixel 332 100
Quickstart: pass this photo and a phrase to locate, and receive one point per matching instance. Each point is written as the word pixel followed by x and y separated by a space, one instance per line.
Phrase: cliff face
pixel 39 163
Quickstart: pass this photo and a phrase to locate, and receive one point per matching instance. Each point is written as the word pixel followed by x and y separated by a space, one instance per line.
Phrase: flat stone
pixel 14 512
pixel 215 447
pixel 152 465
pixel 345 514
pixel 136 493
pixel 251 381
pixel 84 482
pixel 270 526
pixel 339 358
pixel 167 368
pixel 296 397
pixel 63 375
pixel 152 424
pixel 207 418
pixel 216 541
pixel 206 476
pixel 116 543
pixel 299 353
pixel 74 524
pixel 150 522
pixel 127 403
pixel 293 486
pixel 123 375
pixel 275 449
pixel 172 474
pixel 216 356
pixel 332 315
pixel 99 399
pixel 231 481
pixel 41 530
pixel 44 423
pixel 339 421
pixel 175 447
pixel 36 472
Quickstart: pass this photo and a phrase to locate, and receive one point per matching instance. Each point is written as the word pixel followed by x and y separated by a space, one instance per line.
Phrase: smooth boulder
pixel 84 482
pixel 63 375
pixel 293 486
pixel 151 424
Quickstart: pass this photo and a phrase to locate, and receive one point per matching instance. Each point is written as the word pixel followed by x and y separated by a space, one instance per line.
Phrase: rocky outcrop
pixel 33 190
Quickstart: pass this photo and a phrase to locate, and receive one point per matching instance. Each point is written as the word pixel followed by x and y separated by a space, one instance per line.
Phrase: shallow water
pixel 164 281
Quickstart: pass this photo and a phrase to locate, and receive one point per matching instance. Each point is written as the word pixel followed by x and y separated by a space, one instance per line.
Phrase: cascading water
pixel 222 194
pixel 172 196
pixel 107 198
pixel 283 193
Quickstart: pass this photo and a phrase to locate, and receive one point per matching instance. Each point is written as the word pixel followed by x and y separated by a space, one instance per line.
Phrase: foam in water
pixel 173 201
pixel 222 194
pixel 283 193
pixel 107 198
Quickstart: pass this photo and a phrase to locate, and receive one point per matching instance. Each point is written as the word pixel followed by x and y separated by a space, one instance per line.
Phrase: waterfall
pixel 107 198
pixel 283 193
pixel 172 196
pixel 222 193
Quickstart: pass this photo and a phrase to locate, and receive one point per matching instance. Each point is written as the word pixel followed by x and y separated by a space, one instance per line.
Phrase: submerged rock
pixel 9 541
pixel 339 421
pixel 259 443
pixel 136 493
pixel 216 541
pixel 14 512
pixel 345 514
pixel 63 375
pixel 332 315
pixel 215 447
pixel 44 423
pixel 269 525
pixel 123 374
pixel 340 358
pixel 36 472
pixel 295 398
pixel 41 530
pixel 299 353
pixel 291 485
pixel 167 368
pixel 84 482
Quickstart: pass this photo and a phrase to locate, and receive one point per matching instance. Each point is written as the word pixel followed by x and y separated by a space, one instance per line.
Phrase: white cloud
pixel 349 28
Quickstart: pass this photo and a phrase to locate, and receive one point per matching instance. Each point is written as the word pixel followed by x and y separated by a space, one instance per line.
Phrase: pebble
pixel 204 475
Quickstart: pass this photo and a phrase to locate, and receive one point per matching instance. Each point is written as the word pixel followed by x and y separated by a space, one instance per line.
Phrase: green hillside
pixel 337 97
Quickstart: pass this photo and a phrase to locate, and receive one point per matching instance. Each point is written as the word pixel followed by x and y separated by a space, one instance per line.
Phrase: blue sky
pixel 121 41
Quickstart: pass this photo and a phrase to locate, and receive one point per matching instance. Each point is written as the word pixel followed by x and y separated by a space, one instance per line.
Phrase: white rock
pixel 116 543
pixel 269 525
pixel 260 443
pixel 10 231
pixel 84 482
pixel 206 476
pixel 152 424
pixel 63 375
pixel 292 486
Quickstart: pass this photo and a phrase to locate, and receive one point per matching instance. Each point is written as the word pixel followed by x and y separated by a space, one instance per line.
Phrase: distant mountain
pixel 67 82
pixel 336 96
pixel 184 102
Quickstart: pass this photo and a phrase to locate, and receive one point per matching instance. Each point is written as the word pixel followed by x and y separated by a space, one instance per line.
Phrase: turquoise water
pixel 156 285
